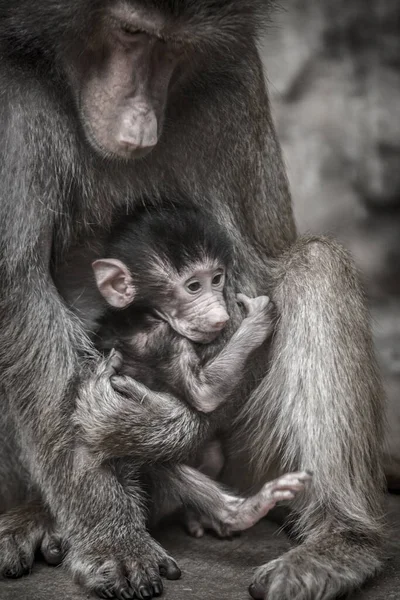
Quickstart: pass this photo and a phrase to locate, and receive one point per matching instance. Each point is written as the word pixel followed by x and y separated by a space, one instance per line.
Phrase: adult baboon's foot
pixel 316 572
pixel 53 548
pixel 124 567
pixel 21 533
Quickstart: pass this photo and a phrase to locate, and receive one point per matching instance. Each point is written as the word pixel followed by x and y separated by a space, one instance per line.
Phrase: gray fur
pixel 219 146
pixel 213 507
pixel 161 363
pixel 109 429
pixel 114 426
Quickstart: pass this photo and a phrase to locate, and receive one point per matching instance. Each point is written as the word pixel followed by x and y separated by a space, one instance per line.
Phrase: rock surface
pixel 214 569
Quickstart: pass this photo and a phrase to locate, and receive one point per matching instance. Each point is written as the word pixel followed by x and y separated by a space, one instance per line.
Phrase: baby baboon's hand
pixel 96 395
pixel 259 307
pixel 259 320
pixel 112 364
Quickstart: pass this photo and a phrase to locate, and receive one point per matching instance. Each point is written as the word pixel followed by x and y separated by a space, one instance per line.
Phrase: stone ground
pixel 214 569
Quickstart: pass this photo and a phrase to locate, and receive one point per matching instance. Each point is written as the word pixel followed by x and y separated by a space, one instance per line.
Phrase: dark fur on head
pixel 176 236
pixel 55 25
pixel 228 14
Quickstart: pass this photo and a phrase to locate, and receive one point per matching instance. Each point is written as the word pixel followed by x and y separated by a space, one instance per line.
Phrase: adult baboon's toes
pixel 169 569
pixel 256 591
pixel 121 593
pixel 146 592
pixel 157 588
pixel 16 557
pixel 51 549
pixel 103 593
pixel 325 572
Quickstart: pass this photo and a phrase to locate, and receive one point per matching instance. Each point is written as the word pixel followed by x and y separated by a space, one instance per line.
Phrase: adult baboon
pixel 87 87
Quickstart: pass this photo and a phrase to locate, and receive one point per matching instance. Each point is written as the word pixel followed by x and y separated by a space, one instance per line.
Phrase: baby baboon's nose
pixel 220 324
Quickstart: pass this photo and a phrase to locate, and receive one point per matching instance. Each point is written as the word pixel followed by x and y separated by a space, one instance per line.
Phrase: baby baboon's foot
pixel 193 525
pixel 238 514
pixel 241 514
pixel 196 525
pixel 282 489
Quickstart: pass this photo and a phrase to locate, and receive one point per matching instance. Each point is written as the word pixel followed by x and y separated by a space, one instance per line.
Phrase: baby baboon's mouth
pixel 203 337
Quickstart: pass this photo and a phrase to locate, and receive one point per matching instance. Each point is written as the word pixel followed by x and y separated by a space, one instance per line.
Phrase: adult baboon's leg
pixel 321 409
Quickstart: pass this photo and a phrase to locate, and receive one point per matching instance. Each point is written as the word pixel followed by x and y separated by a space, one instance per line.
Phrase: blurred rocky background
pixel 333 68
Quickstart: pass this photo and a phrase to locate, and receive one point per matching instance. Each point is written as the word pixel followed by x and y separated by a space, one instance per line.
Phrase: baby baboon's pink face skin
pixel 197 309
pixel 194 306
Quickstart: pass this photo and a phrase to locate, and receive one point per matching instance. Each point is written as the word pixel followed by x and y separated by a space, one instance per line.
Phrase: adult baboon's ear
pixel 114 282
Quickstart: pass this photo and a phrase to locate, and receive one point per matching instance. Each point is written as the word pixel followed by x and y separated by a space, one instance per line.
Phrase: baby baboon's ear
pixel 114 282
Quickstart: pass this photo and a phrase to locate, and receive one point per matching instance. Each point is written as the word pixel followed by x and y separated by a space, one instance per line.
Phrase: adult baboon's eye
pixel 127 33
pixel 194 286
pixel 129 30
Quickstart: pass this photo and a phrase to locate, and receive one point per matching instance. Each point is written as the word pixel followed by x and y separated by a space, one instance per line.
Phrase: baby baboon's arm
pixel 155 426
pixel 151 426
pixel 205 388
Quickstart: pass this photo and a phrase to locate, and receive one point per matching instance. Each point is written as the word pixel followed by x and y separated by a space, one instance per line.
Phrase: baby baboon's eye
pixel 194 286
pixel 217 279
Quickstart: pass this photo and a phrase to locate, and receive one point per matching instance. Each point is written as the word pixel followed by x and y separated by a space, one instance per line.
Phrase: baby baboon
pixel 163 281
pixel 103 104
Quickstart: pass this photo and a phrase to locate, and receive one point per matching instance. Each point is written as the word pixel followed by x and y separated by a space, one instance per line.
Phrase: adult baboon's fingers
pixel 15 559
pixel 51 549
pixel 125 594
pixel 157 588
pixel 169 569
pixel 256 591
pixel 104 593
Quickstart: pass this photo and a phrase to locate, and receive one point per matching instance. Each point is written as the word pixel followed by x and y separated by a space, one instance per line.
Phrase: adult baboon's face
pixel 123 78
